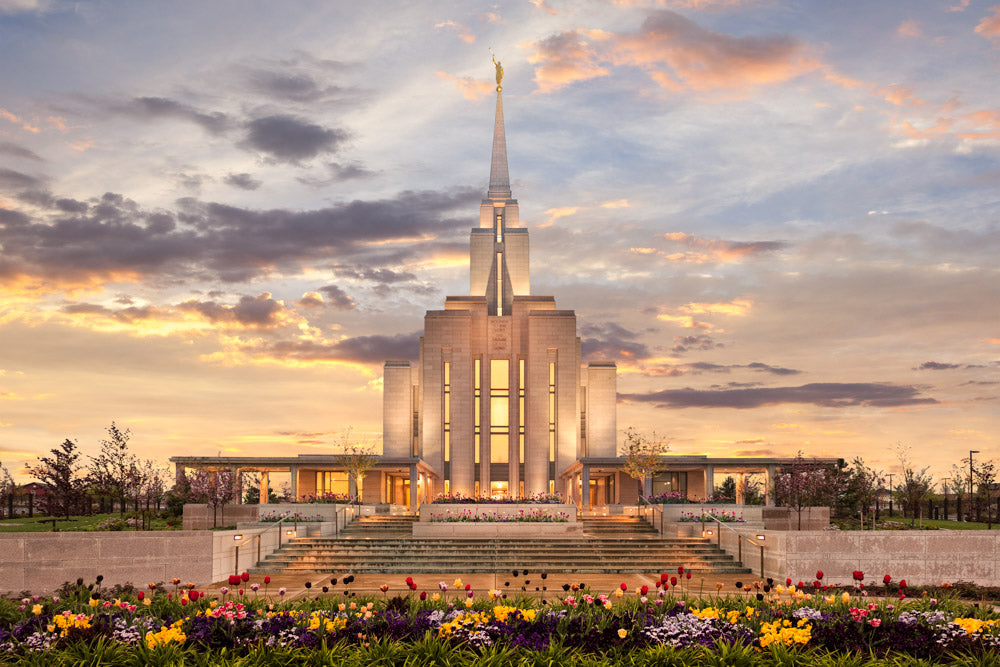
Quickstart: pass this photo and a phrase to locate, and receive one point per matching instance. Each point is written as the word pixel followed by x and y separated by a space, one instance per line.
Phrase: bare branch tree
pixel 643 455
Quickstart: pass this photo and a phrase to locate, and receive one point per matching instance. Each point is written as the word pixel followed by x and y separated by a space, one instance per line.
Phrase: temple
pixel 499 403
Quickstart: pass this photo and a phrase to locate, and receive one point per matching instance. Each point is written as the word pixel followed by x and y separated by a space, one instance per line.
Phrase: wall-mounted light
pixel 237 538
pixel 289 532
pixel 762 537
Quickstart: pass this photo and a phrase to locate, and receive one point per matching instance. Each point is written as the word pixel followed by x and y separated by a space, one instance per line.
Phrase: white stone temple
pixel 499 403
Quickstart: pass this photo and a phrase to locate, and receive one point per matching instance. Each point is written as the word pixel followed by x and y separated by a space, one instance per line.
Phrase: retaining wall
pixel 429 512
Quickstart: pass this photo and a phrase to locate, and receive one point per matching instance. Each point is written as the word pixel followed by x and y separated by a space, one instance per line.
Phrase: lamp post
pixel 944 487
pixel 890 495
pixel 971 452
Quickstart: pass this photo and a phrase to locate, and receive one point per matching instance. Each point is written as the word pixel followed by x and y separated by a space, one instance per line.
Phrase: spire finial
pixel 499 68
pixel 499 177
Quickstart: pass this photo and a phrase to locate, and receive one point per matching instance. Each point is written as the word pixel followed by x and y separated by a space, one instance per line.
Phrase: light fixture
pixel 708 532
pixel 762 537
pixel 289 532
pixel 237 538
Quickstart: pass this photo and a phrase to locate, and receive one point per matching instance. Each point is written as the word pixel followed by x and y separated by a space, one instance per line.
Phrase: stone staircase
pixel 384 544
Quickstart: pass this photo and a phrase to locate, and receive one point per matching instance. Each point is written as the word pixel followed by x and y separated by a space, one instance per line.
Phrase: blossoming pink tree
pixel 215 488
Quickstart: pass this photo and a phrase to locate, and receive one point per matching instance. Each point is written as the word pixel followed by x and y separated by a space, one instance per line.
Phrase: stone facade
pixel 499 403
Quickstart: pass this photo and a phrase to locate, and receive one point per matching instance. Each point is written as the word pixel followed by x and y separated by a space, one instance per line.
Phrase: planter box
pixel 430 511
pixel 463 529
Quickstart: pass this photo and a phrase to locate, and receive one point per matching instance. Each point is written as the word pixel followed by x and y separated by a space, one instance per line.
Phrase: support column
pixel 585 487
pixel 709 481
pixel 769 476
pixel 293 473
pixel 741 483
pixel 264 487
pixel 413 488
pixel 180 473
pixel 237 486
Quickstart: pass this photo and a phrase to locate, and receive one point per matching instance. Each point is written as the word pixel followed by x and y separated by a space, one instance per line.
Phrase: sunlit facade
pixel 499 403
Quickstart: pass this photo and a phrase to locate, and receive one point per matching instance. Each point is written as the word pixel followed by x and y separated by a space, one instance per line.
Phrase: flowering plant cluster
pixel 459 499
pixel 170 626
pixel 721 515
pixel 328 498
pixel 272 517
pixel 670 498
pixel 532 516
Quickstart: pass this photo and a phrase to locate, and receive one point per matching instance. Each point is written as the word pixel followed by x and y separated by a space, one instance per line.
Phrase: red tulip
pixel 241 591
pixel 267 578
pixel 245 576
pixel 858 575
pixel 673 581
pixel 643 589
pixel 141 595
pixel 409 580
pixel 423 595
pixel 623 586
pixel 687 574
pixel 886 579
pixel 902 583
pixel 194 595
pixel 788 581
pixel 819 574
pixel 184 601
pixel 680 569
pixel 468 587
pixel 816 584
pixel 234 579
pixel 800 585
pixel 664 577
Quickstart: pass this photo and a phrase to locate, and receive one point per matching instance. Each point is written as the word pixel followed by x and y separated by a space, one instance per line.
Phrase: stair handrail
pixel 739 538
pixel 654 509
pixel 258 534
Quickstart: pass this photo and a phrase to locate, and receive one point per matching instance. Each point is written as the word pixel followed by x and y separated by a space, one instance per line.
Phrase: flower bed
pixel 721 515
pixel 288 515
pixel 523 516
pixel 760 623
pixel 458 499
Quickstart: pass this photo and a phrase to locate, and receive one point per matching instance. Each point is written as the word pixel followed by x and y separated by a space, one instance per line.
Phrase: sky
pixel 218 219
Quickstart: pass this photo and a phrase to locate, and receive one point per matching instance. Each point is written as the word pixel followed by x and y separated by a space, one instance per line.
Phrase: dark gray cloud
pixel 286 85
pixel 254 311
pixel 824 394
pixel 242 181
pixel 610 341
pixel 126 315
pixel 214 122
pixel 291 139
pixel 685 343
pixel 206 240
pixel 338 173
pixel 363 349
pixel 7 148
pixel 936 366
pixel 386 280
pixel 16 180
pixel 337 298
pixel 774 370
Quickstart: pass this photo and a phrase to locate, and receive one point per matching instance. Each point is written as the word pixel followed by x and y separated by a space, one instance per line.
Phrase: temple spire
pixel 499 176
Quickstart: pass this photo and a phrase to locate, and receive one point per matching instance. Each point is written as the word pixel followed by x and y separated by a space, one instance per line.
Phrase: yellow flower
pixel 435 597
pixel 845 597
pixel 468 604
pixel 458 583
pixel 36 610
pixel 94 602
pixel 622 633
pixel 619 593
pixel 829 599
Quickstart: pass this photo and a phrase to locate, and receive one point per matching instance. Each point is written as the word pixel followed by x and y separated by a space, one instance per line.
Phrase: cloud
pixel 14 180
pixel 287 85
pixel 678 54
pixel 543 5
pixel 337 298
pixel 700 342
pixel 828 395
pixel 24 6
pixel 291 139
pixel 471 89
pixel 909 28
pixel 464 32
pixel 162 107
pixel 17 120
pixel 683 247
pixel 113 239
pixel 936 366
pixel 566 58
pixel 242 181
pixel 8 148
pixel 774 370
pixel 989 27
pixel 373 349
pixel 610 341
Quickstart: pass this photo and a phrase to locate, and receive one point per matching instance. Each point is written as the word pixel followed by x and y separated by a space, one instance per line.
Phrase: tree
pixel 251 492
pixel 112 470
pixel 7 487
pixel 60 474
pixel 959 485
pixel 985 481
pixel 751 487
pixel 916 485
pixel 357 461
pixel 801 483
pixel 862 488
pixel 216 488
pixel 643 455
pixel 725 492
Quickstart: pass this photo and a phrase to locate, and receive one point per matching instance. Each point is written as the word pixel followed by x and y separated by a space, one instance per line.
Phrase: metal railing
pixel 739 537
pixel 650 512
pixel 339 523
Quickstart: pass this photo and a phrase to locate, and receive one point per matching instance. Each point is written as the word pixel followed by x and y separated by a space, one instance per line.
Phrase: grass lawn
pixel 41 524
